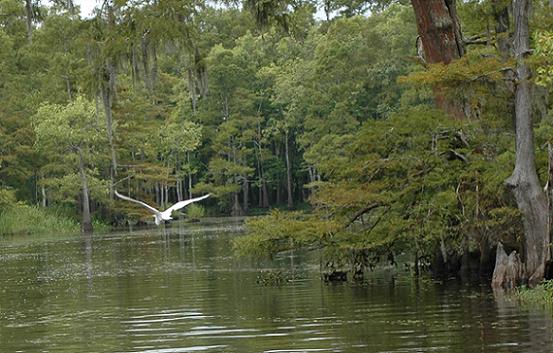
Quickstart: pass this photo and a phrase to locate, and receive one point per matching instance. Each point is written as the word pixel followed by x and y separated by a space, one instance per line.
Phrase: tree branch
pixel 362 212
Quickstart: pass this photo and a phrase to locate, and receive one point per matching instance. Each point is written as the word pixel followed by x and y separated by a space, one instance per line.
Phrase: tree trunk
pixel 549 195
pixel 134 63
pixel 97 106
pixel 156 189
pixel 226 110
pixel 68 87
pixel 162 194
pixel 86 223
pixel 524 182
pixel 278 192
pixel 154 67
pixel 178 186
pixel 501 16
pixel 108 88
pixel 201 73
pixel 145 62
pixel 108 94
pixel 246 193
pixel 29 15
pixel 508 269
pixel 440 33
pixel 43 194
pixel 259 194
pixel 236 208
pixel 71 7
pixel 166 195
pixel 278 186
pixel 259 174
pixel 192 90
pixel 189 176
pixel 288 172
pixel 265 195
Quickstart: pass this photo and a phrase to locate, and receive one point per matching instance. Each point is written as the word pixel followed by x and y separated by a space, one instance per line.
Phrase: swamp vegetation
pixel 364 129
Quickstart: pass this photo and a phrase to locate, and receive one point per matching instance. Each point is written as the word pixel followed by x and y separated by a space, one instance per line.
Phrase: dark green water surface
pixel 185 292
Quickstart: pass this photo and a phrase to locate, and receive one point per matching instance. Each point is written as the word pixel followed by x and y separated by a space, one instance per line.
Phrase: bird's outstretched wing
pixel 136 201
pixel 184 203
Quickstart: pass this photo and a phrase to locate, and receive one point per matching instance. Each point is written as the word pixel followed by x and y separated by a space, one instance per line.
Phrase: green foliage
pixel 330 112
pixel 24 219
pixel 400 184
pixel 7 199
pixel 71 139
pixel 544 53
pixel 283 231
pixel 542 294
pixel 195 212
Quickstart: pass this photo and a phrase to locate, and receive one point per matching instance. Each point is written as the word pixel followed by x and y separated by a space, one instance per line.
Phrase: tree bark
pixel 192 90
pixel 508 269
pixel 439 29
pixel 108 88
pixel 43 194
pixel 108 93
pixel 68 87
pixel 501 16
pixel 156 190
pixel 178 186
pixel 524 181
pixel 278 185
pixel 29 15
pixel 86 223
pixel 71 7
pixel 201 73
pixel 265 194
pixel 260 182
pixel 135 71
pixel 145 61
pixel 440 33
pixel 549 194
pixel 154 66
pixel 236 208
pixel 166 188
pixel 189 176
pixel 246 193
pixel 288 172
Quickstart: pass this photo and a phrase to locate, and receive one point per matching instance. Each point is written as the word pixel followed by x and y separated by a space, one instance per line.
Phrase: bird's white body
pixel 160 216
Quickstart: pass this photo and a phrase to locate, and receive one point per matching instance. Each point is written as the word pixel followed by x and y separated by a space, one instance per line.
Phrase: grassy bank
pixel 24 219
pixel 542 294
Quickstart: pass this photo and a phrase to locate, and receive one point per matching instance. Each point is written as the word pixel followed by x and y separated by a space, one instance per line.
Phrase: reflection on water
pixel 181 290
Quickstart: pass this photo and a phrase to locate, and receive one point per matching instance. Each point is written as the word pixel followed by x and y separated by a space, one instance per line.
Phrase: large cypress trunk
pixel 440 34
pixel 530 197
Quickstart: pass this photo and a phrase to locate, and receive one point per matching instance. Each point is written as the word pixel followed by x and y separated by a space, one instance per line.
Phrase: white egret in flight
pixel 163 215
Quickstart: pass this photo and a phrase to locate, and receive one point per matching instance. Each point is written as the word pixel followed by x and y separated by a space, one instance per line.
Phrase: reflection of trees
pixel 106 293
pixel 87 242
pixel 533 324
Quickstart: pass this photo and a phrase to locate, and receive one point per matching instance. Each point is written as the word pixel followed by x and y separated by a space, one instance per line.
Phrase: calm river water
pixel 183 291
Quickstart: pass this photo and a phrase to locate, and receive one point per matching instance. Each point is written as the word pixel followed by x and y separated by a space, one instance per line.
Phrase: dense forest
pixel 371 128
